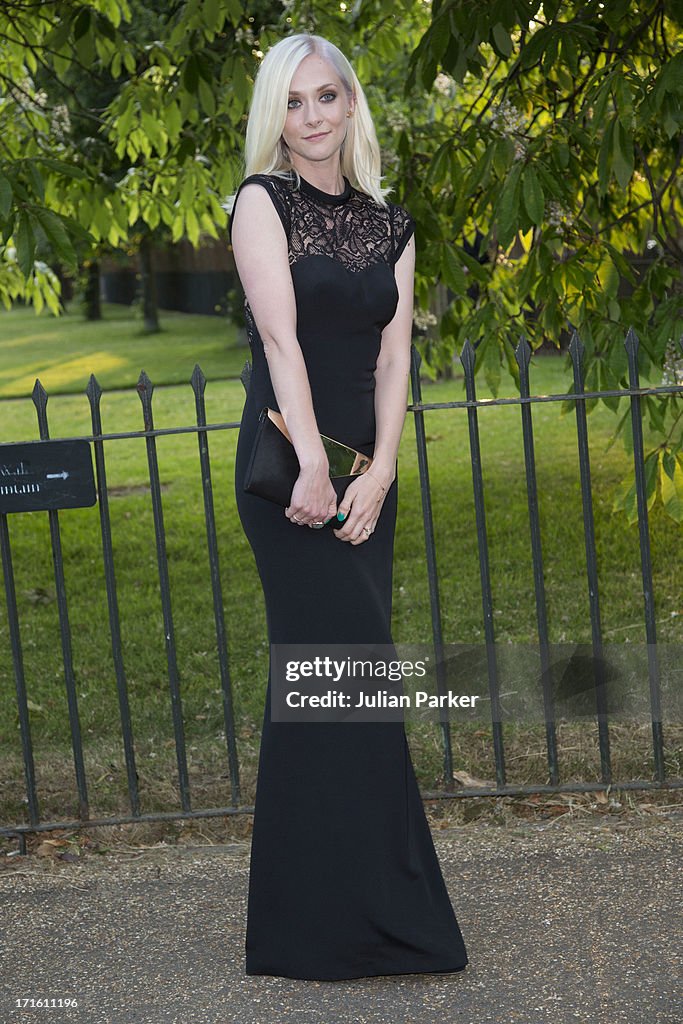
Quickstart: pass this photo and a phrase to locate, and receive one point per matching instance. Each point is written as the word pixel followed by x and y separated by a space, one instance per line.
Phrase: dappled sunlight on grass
pixel 65 374
pixel 63 352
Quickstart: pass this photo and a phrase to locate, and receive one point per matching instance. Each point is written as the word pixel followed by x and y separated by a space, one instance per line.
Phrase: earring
pixel 349 113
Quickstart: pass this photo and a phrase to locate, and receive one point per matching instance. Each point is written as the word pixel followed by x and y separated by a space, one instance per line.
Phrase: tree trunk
pixel 91 299
pixel 438 307
pixel 150 312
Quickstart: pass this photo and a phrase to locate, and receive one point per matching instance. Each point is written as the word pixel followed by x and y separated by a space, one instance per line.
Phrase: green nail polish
pixel 341 516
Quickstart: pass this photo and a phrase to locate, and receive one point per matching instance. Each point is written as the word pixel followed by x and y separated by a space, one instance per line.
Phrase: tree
pixel 157 116
pixel 537 146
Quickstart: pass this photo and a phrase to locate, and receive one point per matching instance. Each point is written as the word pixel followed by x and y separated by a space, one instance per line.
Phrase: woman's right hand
pixel 314 499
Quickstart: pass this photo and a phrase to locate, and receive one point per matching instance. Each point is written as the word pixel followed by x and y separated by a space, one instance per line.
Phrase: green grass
pixel 140 609
pixel 64 351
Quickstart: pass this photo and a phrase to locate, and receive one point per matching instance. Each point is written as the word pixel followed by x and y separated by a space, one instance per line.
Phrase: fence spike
pixel 576 348
pixel 468 357
pixel 144 383
pixel 631 343
pixel 93 390
pixel 39 395
pixel 523 352
pixel 198 380
pixel 145 389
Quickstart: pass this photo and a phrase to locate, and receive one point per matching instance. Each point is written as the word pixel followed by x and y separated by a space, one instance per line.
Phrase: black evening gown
pixel 344 879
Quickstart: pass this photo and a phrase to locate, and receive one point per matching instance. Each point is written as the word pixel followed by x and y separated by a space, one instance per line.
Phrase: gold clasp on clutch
pixel 343 460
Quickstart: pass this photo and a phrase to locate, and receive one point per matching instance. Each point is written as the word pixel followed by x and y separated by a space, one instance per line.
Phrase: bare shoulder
pixel 263 205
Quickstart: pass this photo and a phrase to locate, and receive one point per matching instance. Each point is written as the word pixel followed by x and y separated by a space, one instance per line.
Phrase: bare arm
pixel 392 372
pixel 364 498
pixel 260 250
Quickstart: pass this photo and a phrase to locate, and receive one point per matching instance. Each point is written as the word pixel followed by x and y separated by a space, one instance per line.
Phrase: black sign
pixel 40 475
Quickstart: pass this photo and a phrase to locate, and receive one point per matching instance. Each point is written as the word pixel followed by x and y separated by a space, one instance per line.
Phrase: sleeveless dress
pixel 344 879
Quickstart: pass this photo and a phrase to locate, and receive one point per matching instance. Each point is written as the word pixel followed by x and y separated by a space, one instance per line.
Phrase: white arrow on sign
pixel 54 476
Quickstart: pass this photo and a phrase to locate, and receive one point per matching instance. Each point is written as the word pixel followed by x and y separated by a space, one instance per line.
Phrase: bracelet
pixel 384 490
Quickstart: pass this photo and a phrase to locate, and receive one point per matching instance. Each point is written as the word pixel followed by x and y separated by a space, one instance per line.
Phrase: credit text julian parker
pixel 381 699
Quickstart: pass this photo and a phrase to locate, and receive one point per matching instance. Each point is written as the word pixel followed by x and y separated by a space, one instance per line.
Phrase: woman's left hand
pixel 362 502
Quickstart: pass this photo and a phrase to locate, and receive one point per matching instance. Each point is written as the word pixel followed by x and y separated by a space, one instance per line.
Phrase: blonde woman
pixel 344 879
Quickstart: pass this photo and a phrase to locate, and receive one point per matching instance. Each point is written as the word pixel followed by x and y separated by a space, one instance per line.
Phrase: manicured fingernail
pixel 341 516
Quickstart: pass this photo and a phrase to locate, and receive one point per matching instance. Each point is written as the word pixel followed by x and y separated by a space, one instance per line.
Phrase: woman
pixel 344 881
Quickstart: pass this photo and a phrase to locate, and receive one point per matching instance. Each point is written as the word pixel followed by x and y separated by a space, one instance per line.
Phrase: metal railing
pixel 473 406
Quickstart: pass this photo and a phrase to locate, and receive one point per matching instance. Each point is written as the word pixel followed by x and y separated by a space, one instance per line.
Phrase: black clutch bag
pixel 273 466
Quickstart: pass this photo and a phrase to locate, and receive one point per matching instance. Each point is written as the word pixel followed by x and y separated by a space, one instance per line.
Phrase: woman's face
pixel 317 106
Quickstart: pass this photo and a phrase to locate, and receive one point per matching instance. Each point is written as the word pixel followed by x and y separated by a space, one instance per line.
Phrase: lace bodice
pixel 350 227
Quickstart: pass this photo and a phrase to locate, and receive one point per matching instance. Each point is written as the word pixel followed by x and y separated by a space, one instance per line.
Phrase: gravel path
pixel 565 922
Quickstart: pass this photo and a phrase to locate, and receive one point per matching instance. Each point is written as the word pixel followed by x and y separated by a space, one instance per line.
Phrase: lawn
pixel 64 351
pixel 171 358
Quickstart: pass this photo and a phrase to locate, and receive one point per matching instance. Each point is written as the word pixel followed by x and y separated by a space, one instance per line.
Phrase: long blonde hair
pixel 265 151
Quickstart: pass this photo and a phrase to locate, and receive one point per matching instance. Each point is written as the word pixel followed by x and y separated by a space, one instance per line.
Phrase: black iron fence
pixel 634 393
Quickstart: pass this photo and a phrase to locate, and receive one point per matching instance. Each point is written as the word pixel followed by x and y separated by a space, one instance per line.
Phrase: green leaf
pixel 451 270
pixel 36 179
pixel 651 468
pixel 570 51
pixel 207 98
pixel 436 43
pixel 533 195
pixel 500 40
pixel 549 59
pixel 534 47
pixel 620 261
pixel 600 103
pixel 626 498
pixel 85 45
pixel 25 243
pixel 477 271
pixel 657 412
pixel 671 484
pixel 503 156
pixel 56 234
pixel 70 170
pixel 191 74
pixel 480 171
pixel 76 229
pixel 5 196
pixel 241 84
pixel 622 154
pixel 491 366
pixel 213 16
pixel 439 170
pixel 105 28
pixel 508 206
pixel 82 23
pixel 235 11
pixel 608 275
pixel 604 159
pixel 614 13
